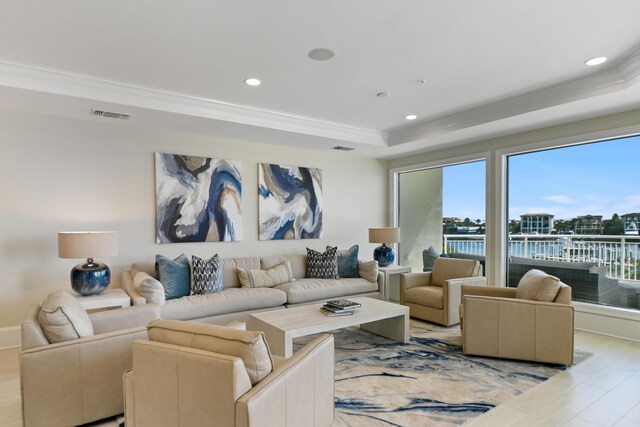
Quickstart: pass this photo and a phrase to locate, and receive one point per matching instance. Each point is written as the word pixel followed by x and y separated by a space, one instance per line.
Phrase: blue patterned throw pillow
pixel 206 275
pixel 174 275
pixel 322 265
pixel 347 262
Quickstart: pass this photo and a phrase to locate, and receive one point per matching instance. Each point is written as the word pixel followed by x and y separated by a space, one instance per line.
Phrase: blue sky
pixel 598 179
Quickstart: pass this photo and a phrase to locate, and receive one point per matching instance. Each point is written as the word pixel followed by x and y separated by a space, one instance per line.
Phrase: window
pixel 443 208
pixel 574 212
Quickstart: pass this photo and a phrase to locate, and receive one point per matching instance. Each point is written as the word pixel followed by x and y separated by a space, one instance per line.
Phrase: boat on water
pixel 631 230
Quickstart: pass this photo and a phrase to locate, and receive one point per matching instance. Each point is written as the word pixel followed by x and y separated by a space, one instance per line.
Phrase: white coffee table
pixel 282 326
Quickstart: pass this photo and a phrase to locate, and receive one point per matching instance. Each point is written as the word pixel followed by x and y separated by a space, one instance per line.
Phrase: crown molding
pixel 609 80
pixel 83 86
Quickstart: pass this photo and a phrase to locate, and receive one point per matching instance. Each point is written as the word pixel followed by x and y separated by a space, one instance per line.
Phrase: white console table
pixel 389 271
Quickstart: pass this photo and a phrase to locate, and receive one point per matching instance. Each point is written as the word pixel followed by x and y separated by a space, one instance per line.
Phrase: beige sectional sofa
pixel 237 303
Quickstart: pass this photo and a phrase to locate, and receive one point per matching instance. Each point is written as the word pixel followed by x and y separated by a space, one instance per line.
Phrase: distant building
pixel 450 220
pixel 589 224
pixel 630 223
pixel 536 223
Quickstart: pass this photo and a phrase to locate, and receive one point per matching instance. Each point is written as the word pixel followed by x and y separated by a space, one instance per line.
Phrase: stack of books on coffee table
pixel 339 307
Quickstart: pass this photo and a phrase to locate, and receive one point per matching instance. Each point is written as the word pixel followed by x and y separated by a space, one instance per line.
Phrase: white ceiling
pixel 489 67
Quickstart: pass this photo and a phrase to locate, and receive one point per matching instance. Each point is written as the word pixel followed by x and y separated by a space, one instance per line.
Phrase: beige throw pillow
pixel 250 346
pixel 537 285
pixel 62 318
pixel 277 275
pixel 368 270
pixel 149 287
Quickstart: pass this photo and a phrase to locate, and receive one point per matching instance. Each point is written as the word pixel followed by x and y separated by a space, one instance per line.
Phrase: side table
pixel 111 298
pixel 389 271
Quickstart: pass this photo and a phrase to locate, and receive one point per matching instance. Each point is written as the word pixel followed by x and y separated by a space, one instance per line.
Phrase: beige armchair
pixel 435 296
pixel 78 381
pixel 500 322
pixel 193 374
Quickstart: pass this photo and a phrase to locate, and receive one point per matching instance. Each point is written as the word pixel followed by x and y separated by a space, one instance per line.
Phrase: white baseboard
pixel 10 337
pixel 610 321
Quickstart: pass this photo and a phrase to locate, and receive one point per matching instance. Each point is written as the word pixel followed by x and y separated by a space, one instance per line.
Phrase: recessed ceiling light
pixel 321 54
pixel 383 94
pixel 596 61
pixel 411 117
pixel 252 82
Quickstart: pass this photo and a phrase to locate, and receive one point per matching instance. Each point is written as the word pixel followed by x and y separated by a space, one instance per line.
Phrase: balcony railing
pixel 618 253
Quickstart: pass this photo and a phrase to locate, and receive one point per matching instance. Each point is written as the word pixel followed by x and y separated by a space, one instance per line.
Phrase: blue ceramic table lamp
pixel 91 277
pixel 384 254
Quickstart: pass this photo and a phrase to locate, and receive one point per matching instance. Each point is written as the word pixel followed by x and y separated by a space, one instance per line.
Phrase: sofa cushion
pixel 451 268
pixel 368 270
pixel 250 346
pixel 429 296
pixel 174 275
pixel 347 262
pixel 281 273
pixel 232 300
pixel 206 276
pixel 62 318
pixel 322 265
pixel 305 290
pixel 298 264
pixel 538 286
pixel 229 273
pixel 149 287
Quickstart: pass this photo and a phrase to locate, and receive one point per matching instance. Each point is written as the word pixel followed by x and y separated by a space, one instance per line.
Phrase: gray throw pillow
pixel 174 275
pixel 207 275
pixel 347 262
pixel 322 265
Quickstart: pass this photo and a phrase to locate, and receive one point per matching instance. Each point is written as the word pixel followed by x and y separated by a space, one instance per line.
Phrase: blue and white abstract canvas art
pixel 197 199
pixel 290 202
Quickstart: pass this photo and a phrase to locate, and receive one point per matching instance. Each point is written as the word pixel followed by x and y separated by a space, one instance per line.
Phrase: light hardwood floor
pixel 601 391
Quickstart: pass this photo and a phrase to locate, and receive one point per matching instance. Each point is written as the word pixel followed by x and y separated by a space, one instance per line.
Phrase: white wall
pixel 420 198
pixel 61 174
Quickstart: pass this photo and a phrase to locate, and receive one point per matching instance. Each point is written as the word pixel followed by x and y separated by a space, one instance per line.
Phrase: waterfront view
pixel 573 212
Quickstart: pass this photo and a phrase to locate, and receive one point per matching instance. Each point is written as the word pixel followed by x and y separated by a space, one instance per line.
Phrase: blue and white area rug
pixel 428 382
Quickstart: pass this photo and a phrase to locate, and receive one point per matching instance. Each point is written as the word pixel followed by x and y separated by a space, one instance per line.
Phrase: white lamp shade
pixel 384 235
pixel 87 244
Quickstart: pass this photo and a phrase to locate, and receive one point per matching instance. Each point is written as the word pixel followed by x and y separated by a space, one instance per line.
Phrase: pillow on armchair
pixel 537 285
pixel 62 318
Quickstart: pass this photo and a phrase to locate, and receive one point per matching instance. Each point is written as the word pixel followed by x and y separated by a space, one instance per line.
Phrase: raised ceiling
pixel 488 68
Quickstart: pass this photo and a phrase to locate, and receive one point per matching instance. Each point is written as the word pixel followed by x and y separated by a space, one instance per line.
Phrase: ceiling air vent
pixel 341 148
pixel 110 114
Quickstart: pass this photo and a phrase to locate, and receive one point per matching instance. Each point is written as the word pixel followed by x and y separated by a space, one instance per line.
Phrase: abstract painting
pixel 290 202
pixel 197 199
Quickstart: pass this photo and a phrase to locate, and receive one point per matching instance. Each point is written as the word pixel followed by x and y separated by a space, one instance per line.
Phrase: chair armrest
pixel 299 392
pixel 452 296
pixel 83 376
pixel 124 318
pixel 127 286
pixel 518 329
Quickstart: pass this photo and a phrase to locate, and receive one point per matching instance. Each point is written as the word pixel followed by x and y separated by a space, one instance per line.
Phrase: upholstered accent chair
pixel 72 381
pixel 435 296
pixel 532 322
pixel 196 374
